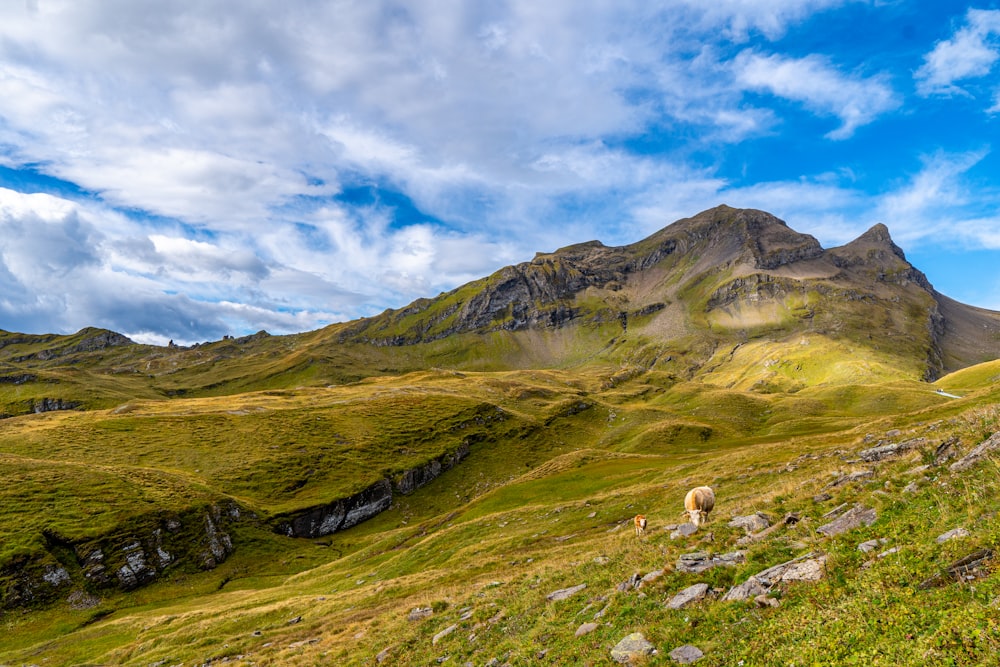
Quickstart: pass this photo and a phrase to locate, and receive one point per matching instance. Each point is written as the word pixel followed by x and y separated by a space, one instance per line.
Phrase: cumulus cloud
pixel 221 168
pixel 813 81
pixel 970 53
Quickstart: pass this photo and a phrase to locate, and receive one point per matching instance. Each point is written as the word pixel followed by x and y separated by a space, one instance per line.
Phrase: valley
pixel 417 487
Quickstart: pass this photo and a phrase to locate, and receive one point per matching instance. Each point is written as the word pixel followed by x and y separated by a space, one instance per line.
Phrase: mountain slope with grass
pixel 455 480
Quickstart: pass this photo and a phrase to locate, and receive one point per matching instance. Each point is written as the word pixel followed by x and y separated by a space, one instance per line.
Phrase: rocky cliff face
pixel 375 499
pixel 131 557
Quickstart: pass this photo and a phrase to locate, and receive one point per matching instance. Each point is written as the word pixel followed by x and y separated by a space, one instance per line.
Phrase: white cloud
pixel 820 87
pixel 938 204
pixel 215 142
pixel 970 53
pixel 770 17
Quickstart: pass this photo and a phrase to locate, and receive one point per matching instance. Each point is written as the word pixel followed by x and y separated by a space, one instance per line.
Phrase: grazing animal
pixel 640 524
pixel 698 503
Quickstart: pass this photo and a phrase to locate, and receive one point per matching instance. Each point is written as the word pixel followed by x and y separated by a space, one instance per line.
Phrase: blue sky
pixel 188 169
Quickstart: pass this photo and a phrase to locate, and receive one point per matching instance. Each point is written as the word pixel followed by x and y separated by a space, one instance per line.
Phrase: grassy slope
pixel 536 509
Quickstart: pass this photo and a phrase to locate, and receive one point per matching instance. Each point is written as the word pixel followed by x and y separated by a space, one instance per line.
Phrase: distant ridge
pixel 678 302
pixel 724 274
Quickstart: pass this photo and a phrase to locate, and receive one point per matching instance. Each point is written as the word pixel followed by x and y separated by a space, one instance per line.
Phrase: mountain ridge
pixel 699 285
pixel 720 257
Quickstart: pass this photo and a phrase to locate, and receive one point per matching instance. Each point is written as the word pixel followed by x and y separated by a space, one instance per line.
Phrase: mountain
pixel 721 278
pixel 733 294
pixel 177 504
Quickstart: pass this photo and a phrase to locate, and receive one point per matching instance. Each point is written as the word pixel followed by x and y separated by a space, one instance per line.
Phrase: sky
pixel 190 169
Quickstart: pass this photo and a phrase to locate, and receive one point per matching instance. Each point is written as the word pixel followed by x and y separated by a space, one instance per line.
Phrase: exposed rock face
pixel 414 478
pixel 53 404
pixel 340 514
pixel 346 512
pixel 123 561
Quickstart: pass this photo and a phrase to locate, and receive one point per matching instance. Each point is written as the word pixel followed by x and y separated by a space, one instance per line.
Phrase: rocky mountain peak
pixel 876 252
pixel 757 237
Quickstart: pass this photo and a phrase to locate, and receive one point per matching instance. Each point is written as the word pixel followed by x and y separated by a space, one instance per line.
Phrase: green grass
pixel 561 459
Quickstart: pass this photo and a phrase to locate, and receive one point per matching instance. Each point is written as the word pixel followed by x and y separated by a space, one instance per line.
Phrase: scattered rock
pixel 304 642
pixel 684 530
pixel 979 453
pixel 790 518
pixel 872 545
pixel 968 568
pixel 686 654
pixel 650 578
pixel 804 568
pixel 945 451
pixel 633 582
pixel 952 534
pixel 444 633
pixel 689 595
pixel 383 655
pixel 887 451
pixel 632 648
pixel 419 613
pixel 751 523
pixel 586 629
pixel 699 561
pixel 763 600
pixel 849 520
pixel 822 498
pixel 293 621
pixel 564 593
pixel 851 477
pixel 912 487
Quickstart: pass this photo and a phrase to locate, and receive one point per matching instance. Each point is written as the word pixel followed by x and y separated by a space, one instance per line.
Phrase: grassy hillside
pixel 459 461
pixel 542 503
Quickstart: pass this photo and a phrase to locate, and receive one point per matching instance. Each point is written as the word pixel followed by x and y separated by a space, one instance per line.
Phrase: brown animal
pixel 698 503
pixel 640 524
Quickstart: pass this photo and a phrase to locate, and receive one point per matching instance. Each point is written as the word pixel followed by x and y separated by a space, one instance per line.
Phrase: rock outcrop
pixel 343 513
pixel 124 560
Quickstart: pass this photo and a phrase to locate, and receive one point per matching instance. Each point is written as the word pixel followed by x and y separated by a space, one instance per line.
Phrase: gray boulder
pixel 751 523
pixel 686 654
pixel 632 648
pixel 849 520
pixel 689 595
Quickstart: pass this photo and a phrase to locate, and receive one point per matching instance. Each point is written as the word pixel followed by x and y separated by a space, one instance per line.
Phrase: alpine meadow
pixel 455 482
